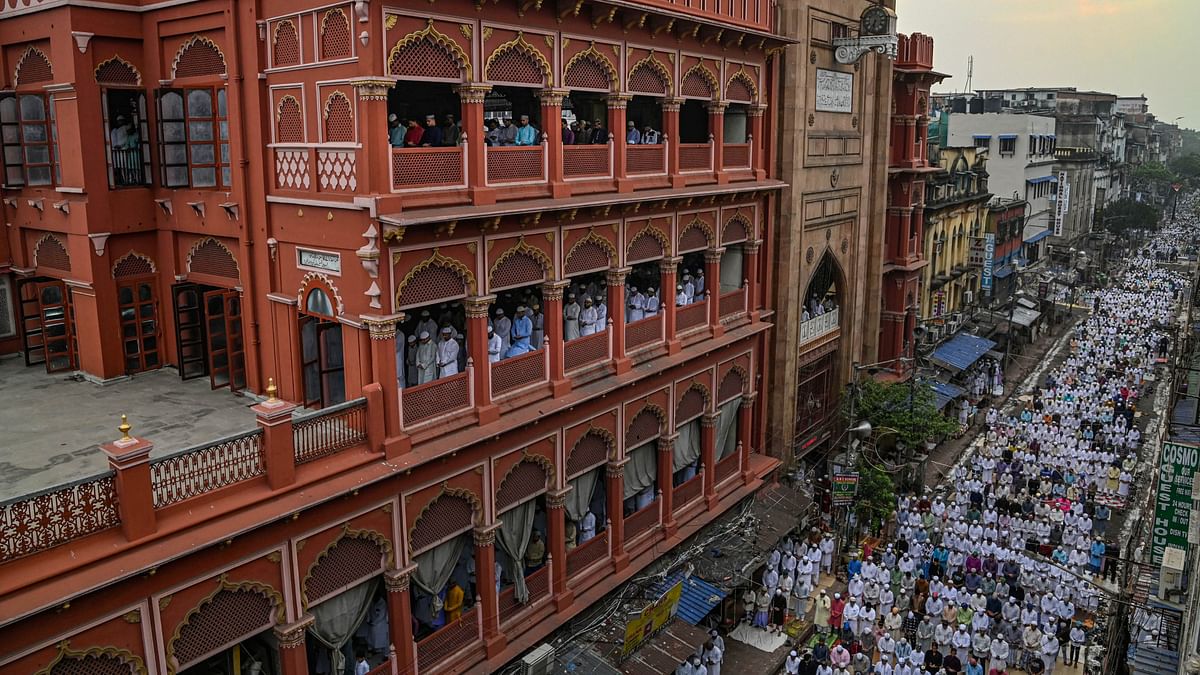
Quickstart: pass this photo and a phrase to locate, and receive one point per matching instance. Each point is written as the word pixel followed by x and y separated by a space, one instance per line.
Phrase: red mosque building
pixel 209 186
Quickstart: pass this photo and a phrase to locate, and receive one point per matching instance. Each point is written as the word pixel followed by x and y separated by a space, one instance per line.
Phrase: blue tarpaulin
pixel 1040 179
pixel 1039 236
pixel 962 350
pixel 698 598
pixel 943 393
pixel 1003 271
pixel 1005 137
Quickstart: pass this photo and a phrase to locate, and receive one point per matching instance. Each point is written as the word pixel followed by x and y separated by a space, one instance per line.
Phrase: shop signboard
pixel 1173 498
pixel 845 487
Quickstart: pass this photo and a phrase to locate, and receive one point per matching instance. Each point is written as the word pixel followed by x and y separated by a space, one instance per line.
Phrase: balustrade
pixel 727 467
pixel 417 169
pixel 538 585
pixel 330 430
pixel 318 169
pixel 695 157
pixel 643 521
pixel 518 372
pixel 587 161
pixel 587 554
pixel 818 326
pixel 643 332
pixel 427 401
pixel 688 491
pixel 516 164
pixel 449 640
pixel 691 316
pixel 46 519
pixel 586 350
pixel 733 302
pixel 736 156
pixel 195 471
pixel 646 160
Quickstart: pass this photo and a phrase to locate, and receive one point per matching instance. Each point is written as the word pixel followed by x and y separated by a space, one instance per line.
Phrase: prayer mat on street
pixel 758 638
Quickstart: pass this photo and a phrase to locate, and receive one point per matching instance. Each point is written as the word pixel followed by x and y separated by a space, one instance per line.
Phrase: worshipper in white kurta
pixel 503 327
pixel 681 298
pixel 791 665
pixel 827 553
pixel 635 305
pixel 426 359
pixel 712 656
pixel 494 345
pixel 601 306
pixel 588 318
pixel 571 312
pixel 426 324
pixel 698 281
pixel 539 324
pixel 689 289
pixel 447 354
pixel 651 309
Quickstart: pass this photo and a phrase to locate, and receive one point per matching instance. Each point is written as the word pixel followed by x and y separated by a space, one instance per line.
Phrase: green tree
pixel 1187 166
pixel 908 409
pixel 1128 214
pixel 876 498
pixel 1153 173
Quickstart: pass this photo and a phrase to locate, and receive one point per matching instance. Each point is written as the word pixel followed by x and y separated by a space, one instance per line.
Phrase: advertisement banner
pixel 1173 498
pixel 1060 203
pixel 845 487
pixel 975 253
pixel 652 619
pixel 989 255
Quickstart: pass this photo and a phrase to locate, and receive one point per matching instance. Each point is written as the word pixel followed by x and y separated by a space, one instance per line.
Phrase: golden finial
pixel 271 390
pixel 125 428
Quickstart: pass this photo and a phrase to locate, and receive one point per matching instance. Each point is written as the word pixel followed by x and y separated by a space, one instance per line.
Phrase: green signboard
pixel 1173 499
pixel 845 487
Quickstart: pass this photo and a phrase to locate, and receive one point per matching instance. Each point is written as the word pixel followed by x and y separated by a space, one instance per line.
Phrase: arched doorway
pixel 322 364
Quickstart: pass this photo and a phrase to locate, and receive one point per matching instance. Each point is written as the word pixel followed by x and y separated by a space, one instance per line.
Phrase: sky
pixel 1124 47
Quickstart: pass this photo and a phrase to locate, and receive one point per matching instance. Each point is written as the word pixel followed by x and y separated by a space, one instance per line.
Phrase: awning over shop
pixel 665 651
pixel 962 350
pixel 1040 179
pixel 944 393
pixel 1025 317
pixel 1039 236
pixel 698 598
pixel 1026 302
pixel 1002 271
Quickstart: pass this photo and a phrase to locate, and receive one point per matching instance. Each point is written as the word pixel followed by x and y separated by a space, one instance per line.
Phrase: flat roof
pixel 53 423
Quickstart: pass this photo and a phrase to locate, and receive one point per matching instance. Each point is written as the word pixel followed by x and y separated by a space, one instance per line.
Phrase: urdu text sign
pixel 835 91
pixel 1173 499
pixel 651 620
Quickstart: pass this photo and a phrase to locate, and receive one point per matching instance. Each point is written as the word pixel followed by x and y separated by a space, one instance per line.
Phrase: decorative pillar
pixel 667 270
pixel 551 102
pixel 712 275
pixel 670 114
pixel 278 447
pixel 757 142
pixel 614 474
pixel 382 330
pixel 399 604
pixel 556 522
pixel 617 104
pixel 666 483
pixel 751 249
pixel 376 159
pixel 552 301
pixel 129 458
pixel 616 313
pixel 716 137
pixel 471 96
pixel 293 654
pixel 922 137
pixel 485 587
pixel 708 451
pixel 745 431
pixel 477 316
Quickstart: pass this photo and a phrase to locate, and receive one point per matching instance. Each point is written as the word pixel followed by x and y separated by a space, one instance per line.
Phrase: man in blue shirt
pixel 522 328
pixel 395 131
pixel 632 135
pixel 526 134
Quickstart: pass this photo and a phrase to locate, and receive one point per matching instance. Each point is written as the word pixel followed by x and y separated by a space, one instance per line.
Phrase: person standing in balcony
pixel 689 289
pixel 568 136
pixel 395 131
pixel 599 133
pixel 651 304
pixel 493 345
pixel 632 135
pixel 588 317
pixel 601 307
pixel 571 313
pixel 426 324
pixel 426 359
pixel 431 137
pixel 451 132
pixel 699 282
pixel 412 136
pixel 447 354
pixel 636 306
pixel 539 325
pixel 650 136
pixel 493 134
pixel 454 602
pixel 503 326
pixel 522 328
pixel 681 298
pixel 583 136
pixel 410 361
pixel 508 134
pixel 526 134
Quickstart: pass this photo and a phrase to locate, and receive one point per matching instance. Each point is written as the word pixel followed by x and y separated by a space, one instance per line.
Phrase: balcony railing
pixel 733 302
pixel 516 164
pixel 195 471
pixel 587 350
pixel 819 326
pixel 519 372
pixel 587 554
pixel 688 491
pixel 330 430
pixel 438 398
pixel 587 161
pixel 452 638
pixel 127 168
pixel 642 521
pixel 46 519
pixel 695 157
pixel 538 585
pixel 646 160
pixel 330 168
pixel 688 317
pixel 727 467
pixel 643 332
pixel 736 156
pixel 417 169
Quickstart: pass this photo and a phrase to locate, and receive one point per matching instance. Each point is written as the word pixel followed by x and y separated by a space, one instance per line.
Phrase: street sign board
pixel 652 619
pixel 845 487
pixel 1060 203
pixel 1173 499
pixel 989 255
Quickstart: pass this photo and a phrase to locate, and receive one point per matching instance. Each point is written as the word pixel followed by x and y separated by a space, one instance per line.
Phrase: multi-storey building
pixel 956 213
pixel 908 167
pixel 1006 223
pixel 252 212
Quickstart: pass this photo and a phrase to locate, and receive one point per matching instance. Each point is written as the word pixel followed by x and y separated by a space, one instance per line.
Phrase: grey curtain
pixel 687 446
pixel 642 470
pixel 516 527
pixel 732 274
pixel 338 617
pixel 435 566
pixel 579 498
pixel 727 428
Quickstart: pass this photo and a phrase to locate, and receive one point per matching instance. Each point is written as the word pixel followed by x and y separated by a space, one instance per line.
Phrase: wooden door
pixel 223 339
pixel 47 326
pixel 137 302
pixel 322 365
pixel 189 330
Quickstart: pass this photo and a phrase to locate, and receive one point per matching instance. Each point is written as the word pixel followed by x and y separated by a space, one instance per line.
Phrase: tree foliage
pixel 1129 214
pixel 1187 166
pixel 1153 172
pixel 876 497
pixel 907 408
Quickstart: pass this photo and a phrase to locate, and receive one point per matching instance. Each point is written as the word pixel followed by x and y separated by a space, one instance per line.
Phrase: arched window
pixel 127 130
pixel 194 120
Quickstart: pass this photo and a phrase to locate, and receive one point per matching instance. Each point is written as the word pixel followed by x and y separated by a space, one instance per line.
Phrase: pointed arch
pixel 437 278
pixel 116 71
pixel 285 44
pixel 133 264
pixel 93 660
pixel 589 69
pixel 209 256
pixel 737 229
pixel 695 236
pixel 336 41
pixel 232 612
pixel 319 281
pixel 741 88
pixel 528 477
pixel 643 246
pixel 49 251
pixel 32 67
pixel 198 56
pixel 520 265
pixel 518 62
pixel 451 512
pixel 827 274
pixel 289 121
pixel 699 82
pixel 338 118
pixel 351 556
pixel 649 76
pixel 594 447
pixel 696 399
pixel 735 383
pixel 592 253
pixel 429 53
pixel 648 423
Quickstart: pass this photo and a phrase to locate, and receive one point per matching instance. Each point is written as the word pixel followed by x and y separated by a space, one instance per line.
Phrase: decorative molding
pixel 520 44
pixel 651 231
pixel 747 80
pixel 64 652
pixel 367 88
pixel 472 93
pixel 381 329
pixel 599 241
pixel 439 260
pixel 657 66
pixel 439 39
pixel 600 59
pixel 398 581
pixel 203 240
pixel 484 536
pixel 523 248
pixel 302 293
pixel 223 584
pixel 191 42
pixel 131 254
pixel 348 533
pixel 29 51
pixel 850 50
pixel 292 635
pixel 133 616
pixel 706 75
pixel 81 40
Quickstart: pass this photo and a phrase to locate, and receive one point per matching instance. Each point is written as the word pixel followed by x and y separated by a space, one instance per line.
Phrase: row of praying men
pixel 817 307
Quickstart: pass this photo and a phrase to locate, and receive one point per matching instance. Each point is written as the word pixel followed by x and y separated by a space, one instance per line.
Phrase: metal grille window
pixel 127 137
pixel 30 139
pixel 194 135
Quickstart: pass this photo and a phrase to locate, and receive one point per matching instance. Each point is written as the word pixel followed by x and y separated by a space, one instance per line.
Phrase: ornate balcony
pixel 819 326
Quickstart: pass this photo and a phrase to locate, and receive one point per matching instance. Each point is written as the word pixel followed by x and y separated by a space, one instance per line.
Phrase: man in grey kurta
pixel 571 314
pixel 426 359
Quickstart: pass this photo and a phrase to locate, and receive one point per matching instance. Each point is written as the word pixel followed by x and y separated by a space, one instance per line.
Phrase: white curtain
pixel 583 487
pixel 642 470
pixel 732 275
pixel 435 566
pixel 727 428
pixel 687 446
pixel 338 617
pixel 516 527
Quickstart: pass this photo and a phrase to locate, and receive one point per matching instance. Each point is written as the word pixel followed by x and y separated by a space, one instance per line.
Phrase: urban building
pixel 908 169
pixel 463 323
pixel 1006 224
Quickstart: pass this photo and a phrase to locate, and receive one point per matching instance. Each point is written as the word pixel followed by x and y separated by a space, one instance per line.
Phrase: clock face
pixel 874 21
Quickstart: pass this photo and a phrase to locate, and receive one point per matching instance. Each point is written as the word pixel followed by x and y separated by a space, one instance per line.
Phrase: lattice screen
pixel 695 85
pixel 213 258
pixel 352 559
pixel 692 239
pixel 289 123
pixel 735 230
pixel 647 80
pixel 518 269
pixel 335 35
pixel 586 73
pixel 644 427
pixel 101 664
pixel 230 616
pixel 34 67
pixel 526 478
pixel 691 405
pixel 424 59
pixel 588 452
pixel 339 119
pixel 515 65
pixel 447 515
pixel 731 386
pixel 432 284
pixel 587 257
pixel 285 51
pixel 645 247
pixel 117 72
pixel 200 58
pixel 738 90
pixel 51 253
pixel 132 266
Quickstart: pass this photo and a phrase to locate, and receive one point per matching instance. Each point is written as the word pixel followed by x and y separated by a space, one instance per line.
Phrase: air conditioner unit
pixel 539 661
pixel 934 334
pixel 1171 575
pixel 952 324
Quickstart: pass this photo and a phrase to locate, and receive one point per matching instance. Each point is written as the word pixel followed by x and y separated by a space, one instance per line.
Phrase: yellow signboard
pixel 651 620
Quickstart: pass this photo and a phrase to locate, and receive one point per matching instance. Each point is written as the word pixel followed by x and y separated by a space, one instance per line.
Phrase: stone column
pixel 129 458
pixel 666 471
pixel 552 309
pixel 745 432
pixel 382 330
pixel 471 96
pixel 278 447
pixel 758 142
pixel 399 604
pixel 751 249
pixel 617 104
pixel 716 137
pixel 556 522
pixel 477 316
pixel 712 285
pixel 376 158
pixel 616 313
pixel 614 474
pixel 293 654
pixel 670 114
pixel 708 450
pixel 667 269
pixel 485 587
pixel 551 107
